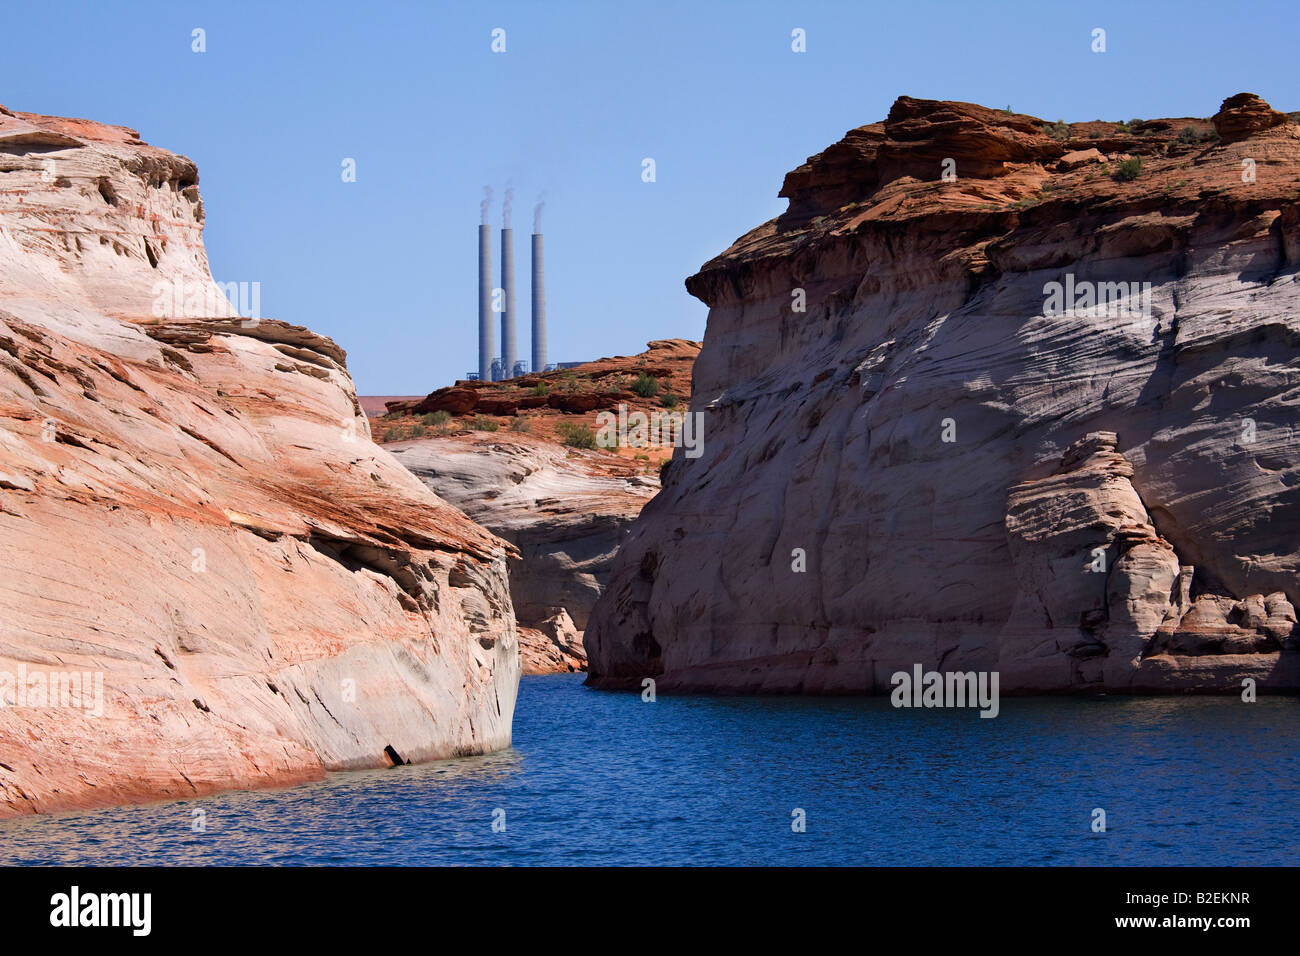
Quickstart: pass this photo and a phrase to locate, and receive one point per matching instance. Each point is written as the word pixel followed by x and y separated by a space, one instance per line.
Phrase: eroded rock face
pixel 923 467
pixel 191 509
pixel 553 647
pixel 566 512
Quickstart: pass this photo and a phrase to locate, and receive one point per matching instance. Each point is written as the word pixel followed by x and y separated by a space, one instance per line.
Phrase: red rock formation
pixel 1244 115
pixel 191 508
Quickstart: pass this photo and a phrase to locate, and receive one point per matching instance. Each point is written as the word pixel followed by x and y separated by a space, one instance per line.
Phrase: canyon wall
pixel 917 449
pixel 565 511
pixel 193 517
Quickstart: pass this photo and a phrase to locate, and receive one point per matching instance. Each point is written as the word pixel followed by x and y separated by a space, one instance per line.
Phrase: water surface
pixel 602 778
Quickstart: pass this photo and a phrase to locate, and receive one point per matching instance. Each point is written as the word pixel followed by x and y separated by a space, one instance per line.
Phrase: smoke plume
pixel 483 206
pixel 505 207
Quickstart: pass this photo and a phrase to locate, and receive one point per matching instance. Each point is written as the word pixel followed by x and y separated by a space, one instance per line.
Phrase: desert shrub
pixel 669 400
pixel 436 419
pixel 1128 170
pixel 520 425
pixel 1190 134
pixel 1058 130
pixel 646 386
pixel 541 388
pixel 482 423
pixel 417 431
pixel 576 435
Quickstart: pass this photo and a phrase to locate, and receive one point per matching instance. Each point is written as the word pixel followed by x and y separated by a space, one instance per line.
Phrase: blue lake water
pixel 602 778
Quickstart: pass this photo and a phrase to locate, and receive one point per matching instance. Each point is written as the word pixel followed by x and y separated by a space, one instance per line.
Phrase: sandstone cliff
pixel 941 462
pixel 565 510
pixel 192 509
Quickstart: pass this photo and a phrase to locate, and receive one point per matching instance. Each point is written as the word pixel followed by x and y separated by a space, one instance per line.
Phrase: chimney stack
pixel 485 302
pixel 539 306
pixel 508 316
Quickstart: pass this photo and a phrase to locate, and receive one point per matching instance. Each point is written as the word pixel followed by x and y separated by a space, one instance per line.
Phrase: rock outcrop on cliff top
pixel 1038 417
pixel 191 511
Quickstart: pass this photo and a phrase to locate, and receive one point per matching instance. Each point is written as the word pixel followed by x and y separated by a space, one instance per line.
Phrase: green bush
pixel 576 435
pixel 1190 134
pixel 647 386
pixel 541 388
pixel 1058 130
pixel 482 423
pixel 520 425
pixel 437 419
pixel 1128 170
pixel 669 400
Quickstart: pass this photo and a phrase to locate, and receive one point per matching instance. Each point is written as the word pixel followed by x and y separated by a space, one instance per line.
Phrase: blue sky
pixel 585 91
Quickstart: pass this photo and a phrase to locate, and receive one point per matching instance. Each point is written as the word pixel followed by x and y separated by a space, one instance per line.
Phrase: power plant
pixel 491 366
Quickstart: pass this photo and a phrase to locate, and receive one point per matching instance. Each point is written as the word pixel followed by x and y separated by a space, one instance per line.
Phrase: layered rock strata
pixel 565 511
pixel 194 523
pixel 992 394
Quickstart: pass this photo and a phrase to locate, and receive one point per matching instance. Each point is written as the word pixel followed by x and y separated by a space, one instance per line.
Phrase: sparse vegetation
pixel 482 423
pixel 1127 170
pixel 437 419
pixel 668 400
pixel 576 435
pixel 1058 130
pixel 647 386
pixel 520 425
pixel 1190 134
pixel 541 388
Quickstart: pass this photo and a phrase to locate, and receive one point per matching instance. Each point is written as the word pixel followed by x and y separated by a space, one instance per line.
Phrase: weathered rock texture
pixel 190 506
pixel 565 510
pixel 977 479
pixel 553 647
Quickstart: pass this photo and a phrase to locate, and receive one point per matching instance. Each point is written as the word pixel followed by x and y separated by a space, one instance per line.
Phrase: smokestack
pixel 485 302
pixel 539 304
pixel 508 285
